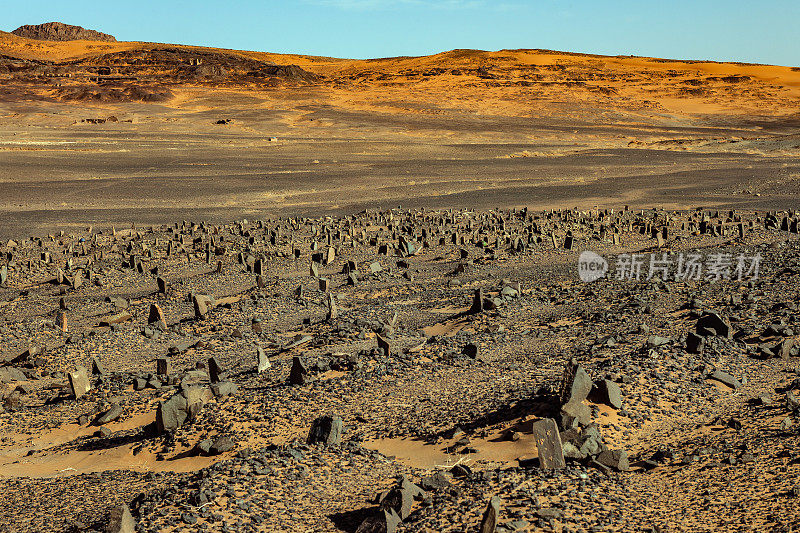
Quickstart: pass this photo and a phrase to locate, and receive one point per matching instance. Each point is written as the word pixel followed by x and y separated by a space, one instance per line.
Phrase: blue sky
pixel 760 32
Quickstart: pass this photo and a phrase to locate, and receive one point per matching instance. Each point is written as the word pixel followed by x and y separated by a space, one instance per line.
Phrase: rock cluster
pixel 58 31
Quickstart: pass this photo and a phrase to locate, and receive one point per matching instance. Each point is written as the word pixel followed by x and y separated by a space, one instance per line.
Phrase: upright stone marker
pixel 79 382
pixel 548 444
pixel 263 360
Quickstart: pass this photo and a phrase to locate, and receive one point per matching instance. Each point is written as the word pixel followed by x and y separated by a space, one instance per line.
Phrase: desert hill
pixel 58 31
pixel 507 82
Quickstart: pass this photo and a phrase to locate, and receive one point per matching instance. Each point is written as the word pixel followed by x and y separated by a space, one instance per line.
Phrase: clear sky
pixel 766 31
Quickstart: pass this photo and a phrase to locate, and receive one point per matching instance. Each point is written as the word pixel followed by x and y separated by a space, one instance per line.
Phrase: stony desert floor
pixel 438 339
pixel 241 295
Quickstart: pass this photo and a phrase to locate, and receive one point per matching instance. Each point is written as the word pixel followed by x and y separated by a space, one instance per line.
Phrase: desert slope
pixel 505 81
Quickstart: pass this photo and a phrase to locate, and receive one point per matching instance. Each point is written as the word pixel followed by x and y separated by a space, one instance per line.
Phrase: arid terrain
pixel 459 129
pixel 243 291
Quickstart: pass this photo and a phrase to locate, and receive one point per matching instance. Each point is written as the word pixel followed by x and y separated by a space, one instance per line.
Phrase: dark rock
pixel 694 343
pixel 109 416
pixel 606 392
pixel 156 316
pixel 616 459
pixel 221 445
pixel 477 302
pixel 97 367
pixel 725 378
pixel 470 350
pixel 120 520
pixel 436 481
pixel 383 344
pixel 326 430
pixel 401 498
pixel 214 371
pixel 298 374
pixel 58 31
pixel 384 521
pixel 713 322
pixel 490 516
pixel 163 366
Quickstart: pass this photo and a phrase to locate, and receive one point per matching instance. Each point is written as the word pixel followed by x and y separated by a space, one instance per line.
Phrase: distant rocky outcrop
pixel 58 31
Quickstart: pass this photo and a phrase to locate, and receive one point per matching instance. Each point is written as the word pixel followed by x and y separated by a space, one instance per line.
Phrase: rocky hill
pixel 58 31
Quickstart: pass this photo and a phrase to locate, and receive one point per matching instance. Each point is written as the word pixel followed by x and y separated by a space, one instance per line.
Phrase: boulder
pixel 713 324
pixel 616 459
pixel 575 384
pixel 79 382
pixel 326 430
pixel 490 516
pixel 120 520
pixel 725 378
pixel 606 392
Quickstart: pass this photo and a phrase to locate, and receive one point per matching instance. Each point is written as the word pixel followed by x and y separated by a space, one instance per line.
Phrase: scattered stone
pixel 224 388
pixel 477 302
pixel 575 384
pixel 616 459
pixel 298 374
pixel 262 359
pixel 202 305
pixel 383 344
pixel 401 498
pixel 333 311
pixel 214 372
pixel 97 367
pixel 490 516
pixel 156 316
pixel 713 324
pixel 111 415
pixel 385 521
pixel 326 430
pixel 606 392
pixel 163 366
pixel 221 445
pixel 61 321
pixel 694 343
pixel 548 444
pixel 79 382
pixel 179 409
pixel 120 520
pixel 725 379
pixel 574 414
